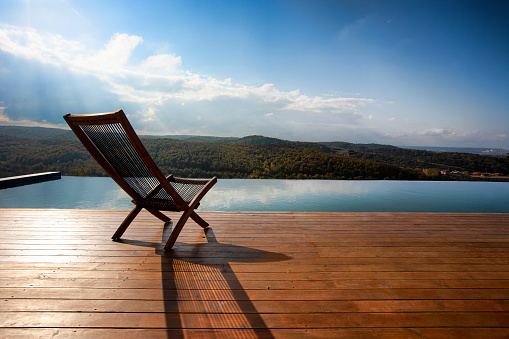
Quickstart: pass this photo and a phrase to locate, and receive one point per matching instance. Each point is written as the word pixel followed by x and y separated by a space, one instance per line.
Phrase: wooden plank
pixel 254 306
pixel 176 292
pixel 58 272
pixel 264 275
pixel 348 333
pixel 256 283
pixel 257 321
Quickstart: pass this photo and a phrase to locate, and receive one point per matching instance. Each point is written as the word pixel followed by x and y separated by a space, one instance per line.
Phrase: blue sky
pixel 406 72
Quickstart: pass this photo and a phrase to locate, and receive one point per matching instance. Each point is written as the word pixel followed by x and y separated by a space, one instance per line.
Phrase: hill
pixel 401 157
pixel 261 140
pixel 357 147
pixel 409 158
pixel 196 138
pixel 474 150
pixel 38 132
pixel 387 154
pixel 196 159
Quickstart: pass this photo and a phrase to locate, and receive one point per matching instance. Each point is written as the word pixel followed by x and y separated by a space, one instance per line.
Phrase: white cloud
pixel 319 104
pixel 28 43
pixel 112 58
pixel 149 113
pixel 5 120
pixel 167 63
pixel 159 83
pixel 449 133
pixel 446 137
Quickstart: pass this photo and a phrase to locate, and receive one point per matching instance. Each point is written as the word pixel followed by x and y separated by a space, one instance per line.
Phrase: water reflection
pixel 280 195
pixel 262 195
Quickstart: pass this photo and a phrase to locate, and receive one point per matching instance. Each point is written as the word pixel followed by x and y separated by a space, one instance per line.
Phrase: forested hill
pixel 38 132
pixel 67 134
pixel 357 147
pixel 196 159
pixel 258 146
pixel 401 157
pixel 411 158
pixel 261 140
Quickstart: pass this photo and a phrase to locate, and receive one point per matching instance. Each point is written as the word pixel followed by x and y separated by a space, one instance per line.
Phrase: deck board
pixel 254 275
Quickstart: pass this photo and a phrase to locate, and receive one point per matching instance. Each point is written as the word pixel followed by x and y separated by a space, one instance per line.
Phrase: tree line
pixel 410 158
pixel 248 157
pixel 197 159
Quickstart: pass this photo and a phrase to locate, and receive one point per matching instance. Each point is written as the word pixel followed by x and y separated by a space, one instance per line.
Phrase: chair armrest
pixel 196 201
pixel 193 181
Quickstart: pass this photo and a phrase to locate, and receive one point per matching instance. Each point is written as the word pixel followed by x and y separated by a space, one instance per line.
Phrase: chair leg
pixel 178 228
pixel 127 221
pixel 159 215
pixel 199 220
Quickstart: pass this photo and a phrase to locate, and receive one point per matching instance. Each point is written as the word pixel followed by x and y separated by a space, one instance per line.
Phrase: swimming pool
pixel 280 195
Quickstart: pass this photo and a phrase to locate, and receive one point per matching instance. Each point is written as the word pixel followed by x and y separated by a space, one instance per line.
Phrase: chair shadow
pixel 203 292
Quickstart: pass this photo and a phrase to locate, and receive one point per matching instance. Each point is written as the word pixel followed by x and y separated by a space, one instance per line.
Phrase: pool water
pixel 280 195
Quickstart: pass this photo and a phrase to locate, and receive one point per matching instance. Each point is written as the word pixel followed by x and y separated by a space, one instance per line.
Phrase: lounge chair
pixel 111 140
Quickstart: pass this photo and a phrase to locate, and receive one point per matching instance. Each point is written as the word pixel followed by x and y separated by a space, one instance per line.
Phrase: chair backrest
pixel 111 140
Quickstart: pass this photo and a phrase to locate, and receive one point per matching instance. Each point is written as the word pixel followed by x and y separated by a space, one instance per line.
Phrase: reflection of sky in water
pixel 279 195
pixel 262 195
pixel 69 192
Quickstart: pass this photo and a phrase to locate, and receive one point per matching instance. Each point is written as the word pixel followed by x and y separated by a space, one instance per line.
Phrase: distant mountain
pixel 196 138
pixel 38 132
pixel 261 140
pixel 473 150
pixel 356 147
pixel 176 136
pixel 203 138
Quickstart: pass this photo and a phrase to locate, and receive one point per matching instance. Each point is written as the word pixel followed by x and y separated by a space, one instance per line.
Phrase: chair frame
pixel 188 209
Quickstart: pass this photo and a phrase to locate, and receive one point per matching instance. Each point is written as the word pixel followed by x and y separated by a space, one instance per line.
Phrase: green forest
pixel 410 158
pixel 197 159
pixel 249 157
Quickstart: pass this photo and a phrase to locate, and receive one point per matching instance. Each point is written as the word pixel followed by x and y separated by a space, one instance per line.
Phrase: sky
pixel 407 72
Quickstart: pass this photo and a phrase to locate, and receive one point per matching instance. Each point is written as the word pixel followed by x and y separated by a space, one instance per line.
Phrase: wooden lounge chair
pixel 111 140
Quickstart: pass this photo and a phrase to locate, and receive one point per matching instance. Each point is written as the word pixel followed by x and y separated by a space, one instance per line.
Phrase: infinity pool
pixel 280 195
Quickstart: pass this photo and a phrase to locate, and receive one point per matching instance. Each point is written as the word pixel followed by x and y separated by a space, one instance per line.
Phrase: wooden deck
pixel 255 275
